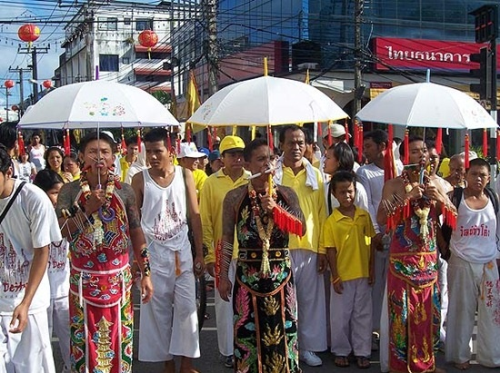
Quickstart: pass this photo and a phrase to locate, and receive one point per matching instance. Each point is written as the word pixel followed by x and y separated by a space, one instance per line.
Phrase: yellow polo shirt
pixel 212 197
pixel 352 239
pixel 313 205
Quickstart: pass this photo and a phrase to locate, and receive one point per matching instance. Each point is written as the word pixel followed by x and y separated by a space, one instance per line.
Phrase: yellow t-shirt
pixel 212 197
pixel 313 205
pixel 199 179
pixel 124 166
pixel 352 239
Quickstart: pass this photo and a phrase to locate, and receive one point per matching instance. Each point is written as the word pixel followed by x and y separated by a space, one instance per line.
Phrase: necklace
pixel 106 213
pixel 421 207
pixel 264 234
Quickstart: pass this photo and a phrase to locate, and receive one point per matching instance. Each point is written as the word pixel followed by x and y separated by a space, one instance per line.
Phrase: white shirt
pixel 25 171
pixel 372 178
pixel 360 199
pixel 164 212
pixel 58 269
pixel 31 223
pixel 474 239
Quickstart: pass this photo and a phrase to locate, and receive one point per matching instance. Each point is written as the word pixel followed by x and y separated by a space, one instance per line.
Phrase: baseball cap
pixel 189 150
pixel 336 130
pixel 214 156
pixel 110 135
pixel 229 143
pixel 205 151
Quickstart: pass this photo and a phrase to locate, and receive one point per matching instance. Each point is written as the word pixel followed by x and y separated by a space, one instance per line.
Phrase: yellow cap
pixel 231 143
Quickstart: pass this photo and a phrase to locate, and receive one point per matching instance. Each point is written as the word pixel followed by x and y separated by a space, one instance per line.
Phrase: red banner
pixel 424 54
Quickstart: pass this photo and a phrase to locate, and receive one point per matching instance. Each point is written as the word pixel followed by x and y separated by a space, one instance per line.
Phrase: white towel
pixel 311 179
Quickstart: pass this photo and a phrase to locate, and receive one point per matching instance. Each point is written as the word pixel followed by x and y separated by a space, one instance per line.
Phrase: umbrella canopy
pixel 266 101
pixel 427 105
pixel 97 104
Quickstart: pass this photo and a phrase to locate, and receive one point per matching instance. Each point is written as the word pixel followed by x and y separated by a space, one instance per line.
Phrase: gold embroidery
pixel 272 337
pixel 275 364
pixel 104 352
pixel 271 306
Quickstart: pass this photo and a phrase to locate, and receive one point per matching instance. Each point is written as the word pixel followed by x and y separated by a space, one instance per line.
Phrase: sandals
pixel 362 362
pixel 341 361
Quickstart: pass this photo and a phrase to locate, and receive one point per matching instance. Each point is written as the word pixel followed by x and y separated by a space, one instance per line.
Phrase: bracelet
pixel 336 280
pixel 145 262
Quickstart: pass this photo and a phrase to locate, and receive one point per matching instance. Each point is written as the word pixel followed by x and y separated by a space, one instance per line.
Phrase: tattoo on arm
pixel 128 196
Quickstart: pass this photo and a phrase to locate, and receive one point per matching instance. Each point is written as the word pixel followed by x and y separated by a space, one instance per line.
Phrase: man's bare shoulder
pixel 236 194
pixel 126 192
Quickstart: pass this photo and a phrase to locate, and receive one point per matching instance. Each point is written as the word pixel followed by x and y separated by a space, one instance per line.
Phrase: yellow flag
pixel 193 101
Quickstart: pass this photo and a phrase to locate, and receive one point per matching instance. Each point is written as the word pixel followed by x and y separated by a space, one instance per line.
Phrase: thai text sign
pixel 410 54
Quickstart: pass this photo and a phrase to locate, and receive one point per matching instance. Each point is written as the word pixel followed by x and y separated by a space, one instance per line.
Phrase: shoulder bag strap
pixel 9 204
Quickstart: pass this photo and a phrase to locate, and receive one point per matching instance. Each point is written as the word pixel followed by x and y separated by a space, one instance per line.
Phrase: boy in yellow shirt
pixel 347 235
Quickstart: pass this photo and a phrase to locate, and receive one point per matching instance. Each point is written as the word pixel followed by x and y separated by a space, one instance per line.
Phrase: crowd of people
pixel 309 251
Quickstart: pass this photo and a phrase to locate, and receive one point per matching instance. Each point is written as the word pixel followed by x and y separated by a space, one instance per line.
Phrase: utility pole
pixel 21 71
pixel 358 92
pixel 212 46
pixel 34 65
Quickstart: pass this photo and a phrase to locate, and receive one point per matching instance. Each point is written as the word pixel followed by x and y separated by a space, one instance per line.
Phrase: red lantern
pixel 28 33
pixel 15 108
pixel 148 39
pixel 47 84
pixel 9 84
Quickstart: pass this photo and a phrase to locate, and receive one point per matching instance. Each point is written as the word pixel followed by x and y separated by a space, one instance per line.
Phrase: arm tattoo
pixel 67 197
pixel 127 194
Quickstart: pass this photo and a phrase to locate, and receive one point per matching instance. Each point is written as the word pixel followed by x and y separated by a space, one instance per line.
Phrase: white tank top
pixel 36 157
pixel 164 212
pixel 474 239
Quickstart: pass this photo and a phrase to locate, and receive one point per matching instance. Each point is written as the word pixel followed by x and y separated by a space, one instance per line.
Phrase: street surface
pixel 210 361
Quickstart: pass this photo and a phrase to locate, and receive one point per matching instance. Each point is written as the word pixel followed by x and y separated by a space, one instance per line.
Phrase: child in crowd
pixel 27 170
pixel 347 235
pixel 58 270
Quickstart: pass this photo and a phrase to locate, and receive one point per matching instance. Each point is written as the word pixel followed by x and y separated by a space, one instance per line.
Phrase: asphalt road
pixel 210 361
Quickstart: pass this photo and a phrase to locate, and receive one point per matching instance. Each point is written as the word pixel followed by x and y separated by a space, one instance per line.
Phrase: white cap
pixel 189 151
pixel 110 135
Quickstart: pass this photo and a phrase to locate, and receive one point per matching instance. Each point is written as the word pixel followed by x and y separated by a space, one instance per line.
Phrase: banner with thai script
pixel 419 54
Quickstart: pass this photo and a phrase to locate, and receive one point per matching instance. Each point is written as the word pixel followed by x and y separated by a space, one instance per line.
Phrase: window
pixel 108 62
pixel 107 24
pixel 125 60
pixel 126 21
pixel 143 24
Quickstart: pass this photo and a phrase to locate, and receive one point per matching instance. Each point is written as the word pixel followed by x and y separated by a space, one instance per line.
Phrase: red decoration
pixel 347 135
pixel 67 143
pixel 20 143
pixel 148 39
pixel 439 140
pixel 209 139
pixel 15 108
pixel 389 156
pixel 139 140
pixel 467 147
pixel 28 33
pixel 330 141
pixel 270 138
pixel 407 147
pixel 9 84
pixel 286 221
pixel 123 144
pixel 188 132
pixel 498 145
pixel 47 84
pixel 320 130
pixel 485 143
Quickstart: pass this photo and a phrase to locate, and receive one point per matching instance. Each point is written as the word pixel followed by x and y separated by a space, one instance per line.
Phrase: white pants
pixel 58 319
pixel 443 288
pixel 351 319
pixel 310 288
pixel 378 288
pixel 384 335
pixel 29 351
pixel 169 321
pixel 473 286
pixel 224 318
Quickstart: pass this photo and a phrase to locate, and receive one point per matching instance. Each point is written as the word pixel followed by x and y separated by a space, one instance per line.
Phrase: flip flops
pixel 341 361
pixel 362 362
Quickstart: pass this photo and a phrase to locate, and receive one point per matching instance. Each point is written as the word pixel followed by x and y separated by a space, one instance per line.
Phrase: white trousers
pixel 378 287
pixel 310 288
pixel 29 351
pixel 473 287
pixel 351 319
pixel 443 289
pixel 224 318
pixel 169 321
pixel 58 319
pixel 384 335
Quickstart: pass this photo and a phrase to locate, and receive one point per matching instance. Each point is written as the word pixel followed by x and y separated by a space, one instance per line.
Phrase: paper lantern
pixel 47 84
pixel 28 33
pixel 148 39
pixel 15 108
pixel 9 84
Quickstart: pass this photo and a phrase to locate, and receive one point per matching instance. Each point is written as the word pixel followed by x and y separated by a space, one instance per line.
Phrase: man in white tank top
pixel 167 202
pixel 473 282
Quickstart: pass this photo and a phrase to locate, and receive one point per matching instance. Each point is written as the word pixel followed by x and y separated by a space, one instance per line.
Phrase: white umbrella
pixel 97 104
pixel 426 105
pixel 266 101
